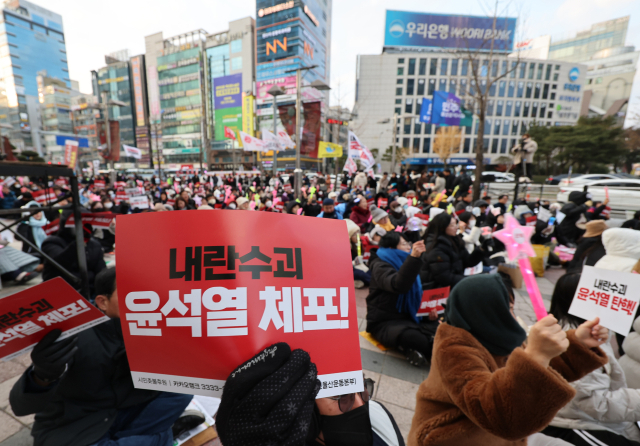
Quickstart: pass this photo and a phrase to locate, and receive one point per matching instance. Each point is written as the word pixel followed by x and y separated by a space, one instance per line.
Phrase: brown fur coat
pixel 474 398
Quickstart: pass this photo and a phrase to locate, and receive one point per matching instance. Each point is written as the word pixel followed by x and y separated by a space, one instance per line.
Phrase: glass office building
pixel 31 40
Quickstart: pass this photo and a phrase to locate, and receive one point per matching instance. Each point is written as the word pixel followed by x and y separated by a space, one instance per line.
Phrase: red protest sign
pixel 43 196
pixel 27 316
pixel 205 301
pixel 97 220
pixel 99 184
pixel 51 228
pixel 287 187
pixel 433 300
pixel 382 202
pixel 121 196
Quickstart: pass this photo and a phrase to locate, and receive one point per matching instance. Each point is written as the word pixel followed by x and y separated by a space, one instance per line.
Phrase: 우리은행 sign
pixel 433 300
pixel 610 295
pixel 206 301
pixel 26 317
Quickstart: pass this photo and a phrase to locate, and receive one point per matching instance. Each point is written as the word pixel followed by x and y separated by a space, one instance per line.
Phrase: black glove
pixel 50 358
pixel 269 399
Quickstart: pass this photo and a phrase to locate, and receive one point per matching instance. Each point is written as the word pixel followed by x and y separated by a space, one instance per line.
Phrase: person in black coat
pixel 62 249
pixel 446 257
pixel 590 248
pixel 568 232
pixel 389 283
pixel 81 388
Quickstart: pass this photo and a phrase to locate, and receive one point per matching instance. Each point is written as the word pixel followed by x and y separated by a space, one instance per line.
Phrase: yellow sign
pixel 247 115
pixel 329 150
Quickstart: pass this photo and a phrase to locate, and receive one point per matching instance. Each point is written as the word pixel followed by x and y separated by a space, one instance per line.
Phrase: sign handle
pixel 532 288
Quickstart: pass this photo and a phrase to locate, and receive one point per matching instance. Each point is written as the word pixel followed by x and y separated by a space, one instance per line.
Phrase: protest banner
pixel 210 300
pixel 287 187
pixel 97 220
pixel 26 317
pixel 70 153
pixel 133 152
pixel 139 202
pixel 132 191
pixel 382 202
pixel 433 300
pixel 51 228
pixel 43 196
pixel 610 295
pixel 121 196
pixel 99 184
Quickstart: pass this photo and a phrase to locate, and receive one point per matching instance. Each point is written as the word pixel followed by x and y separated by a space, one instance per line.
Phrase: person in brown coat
pixel 484 387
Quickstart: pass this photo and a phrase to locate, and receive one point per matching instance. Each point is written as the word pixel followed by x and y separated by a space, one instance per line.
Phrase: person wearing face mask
pixel 397 215
pixel 107 203
pixel 446 258
pixel 479 211
pixel 287 381
pixel 31 229
pixel 485 386
pixel 394 299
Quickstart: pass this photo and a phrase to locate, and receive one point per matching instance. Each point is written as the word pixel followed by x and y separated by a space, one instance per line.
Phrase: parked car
pixel 490 176
pixel 624 193
pixel 586 178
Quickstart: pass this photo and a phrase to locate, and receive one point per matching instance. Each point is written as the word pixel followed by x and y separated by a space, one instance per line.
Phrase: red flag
pixel 229 133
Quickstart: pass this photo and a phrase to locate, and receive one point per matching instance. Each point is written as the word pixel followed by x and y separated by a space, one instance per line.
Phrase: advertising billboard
pixel 227 91
pixel 138 95
pixel 248 115
pixel 416 29
pixel 227 117
pixel 537 48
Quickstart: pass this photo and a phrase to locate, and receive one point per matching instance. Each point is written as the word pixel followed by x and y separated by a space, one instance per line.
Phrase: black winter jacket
pixel 444 264
pixel 65 254
pixel 27 232
pixel 568 231
pixel 384 321
pixel 79 408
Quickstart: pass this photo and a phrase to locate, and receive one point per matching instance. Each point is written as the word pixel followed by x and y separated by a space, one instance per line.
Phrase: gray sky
pixel 93 29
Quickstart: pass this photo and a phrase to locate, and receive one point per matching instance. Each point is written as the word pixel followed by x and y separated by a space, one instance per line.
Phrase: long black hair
pixel 562 297
pixel 437 227
pixel 390 240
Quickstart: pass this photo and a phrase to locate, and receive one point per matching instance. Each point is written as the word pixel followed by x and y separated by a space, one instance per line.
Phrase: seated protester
pixel 360 213
pixel 568 233
pixel 81 389
pixel 604 410
pixel 397 215
pixel 17 266
pixel 479 211
pixel 329 210
pixel 590 248
pixel 311 208
pixel 361 277
pixel 599 211
pixel 288 381
pixel 181 204
pixel 465 202
pixel 445 259
pixel 522 213
pixel 31 229
pixel 622 248
pixel 543 233
pixel 634 223
pixel 470 233
pixel 292 207
pixel 484 388
pixel 374 236
pixel 381 218
pixel 394 299
pixel 62 249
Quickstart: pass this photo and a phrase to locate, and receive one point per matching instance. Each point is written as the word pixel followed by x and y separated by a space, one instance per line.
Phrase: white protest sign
pixel 560 216
pixel 435 211
pixel 139 202
pixel 9 181
pixel 610 295
pixel 544 215
pixel 132 191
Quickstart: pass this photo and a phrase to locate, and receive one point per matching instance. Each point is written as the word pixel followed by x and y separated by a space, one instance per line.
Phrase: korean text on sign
pixel 26 317
pixel 610 295
pixel 207 300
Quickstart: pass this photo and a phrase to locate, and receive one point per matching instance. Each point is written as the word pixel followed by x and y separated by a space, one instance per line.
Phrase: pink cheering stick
pixel 516 239
pixel 606 192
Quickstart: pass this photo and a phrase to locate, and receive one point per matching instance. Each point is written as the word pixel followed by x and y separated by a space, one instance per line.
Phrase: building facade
pixel 394 84
pixel 54 99
pixel 31 40
pixel 290 35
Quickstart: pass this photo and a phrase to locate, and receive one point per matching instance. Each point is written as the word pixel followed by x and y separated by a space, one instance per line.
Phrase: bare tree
pixel 486 70
pixel 447 142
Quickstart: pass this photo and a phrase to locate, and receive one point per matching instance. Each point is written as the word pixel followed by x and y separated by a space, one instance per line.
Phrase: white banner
pixel 251 144
pixel 272 142
pixel 132 151
pixel 139 202
pixel 350 166
pixel 286 140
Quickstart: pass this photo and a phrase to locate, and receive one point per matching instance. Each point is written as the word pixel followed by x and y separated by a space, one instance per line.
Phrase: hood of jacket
pixel 578 197
pixel 623 249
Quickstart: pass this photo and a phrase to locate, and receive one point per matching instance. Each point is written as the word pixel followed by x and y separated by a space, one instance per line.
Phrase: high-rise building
pixel 55 110
pixel 611 65
pixel 231 74
pixel 124 80
pixel 31 40
pixel 419 60
pixel 84 117
pixel 289 35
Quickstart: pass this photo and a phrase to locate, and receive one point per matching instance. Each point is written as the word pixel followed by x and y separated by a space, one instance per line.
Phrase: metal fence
pixel 532 190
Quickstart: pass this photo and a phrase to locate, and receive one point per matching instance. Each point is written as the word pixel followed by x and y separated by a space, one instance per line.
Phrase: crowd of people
pixel 492 379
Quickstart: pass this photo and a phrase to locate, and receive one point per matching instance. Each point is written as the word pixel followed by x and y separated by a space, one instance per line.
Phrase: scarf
pixel 480 305
pixel 408 303
pixel 36 228
pixel 388 227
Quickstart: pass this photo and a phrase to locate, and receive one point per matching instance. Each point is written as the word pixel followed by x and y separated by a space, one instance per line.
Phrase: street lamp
pixel 275 91
pixel 319 85
pixel 395 127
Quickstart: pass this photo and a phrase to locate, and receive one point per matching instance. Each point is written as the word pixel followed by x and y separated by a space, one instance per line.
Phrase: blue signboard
pixel 446 109
pixel 416 29
pixel 438 161
pixel 425 111
pixel 82 142
pixel 227 91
